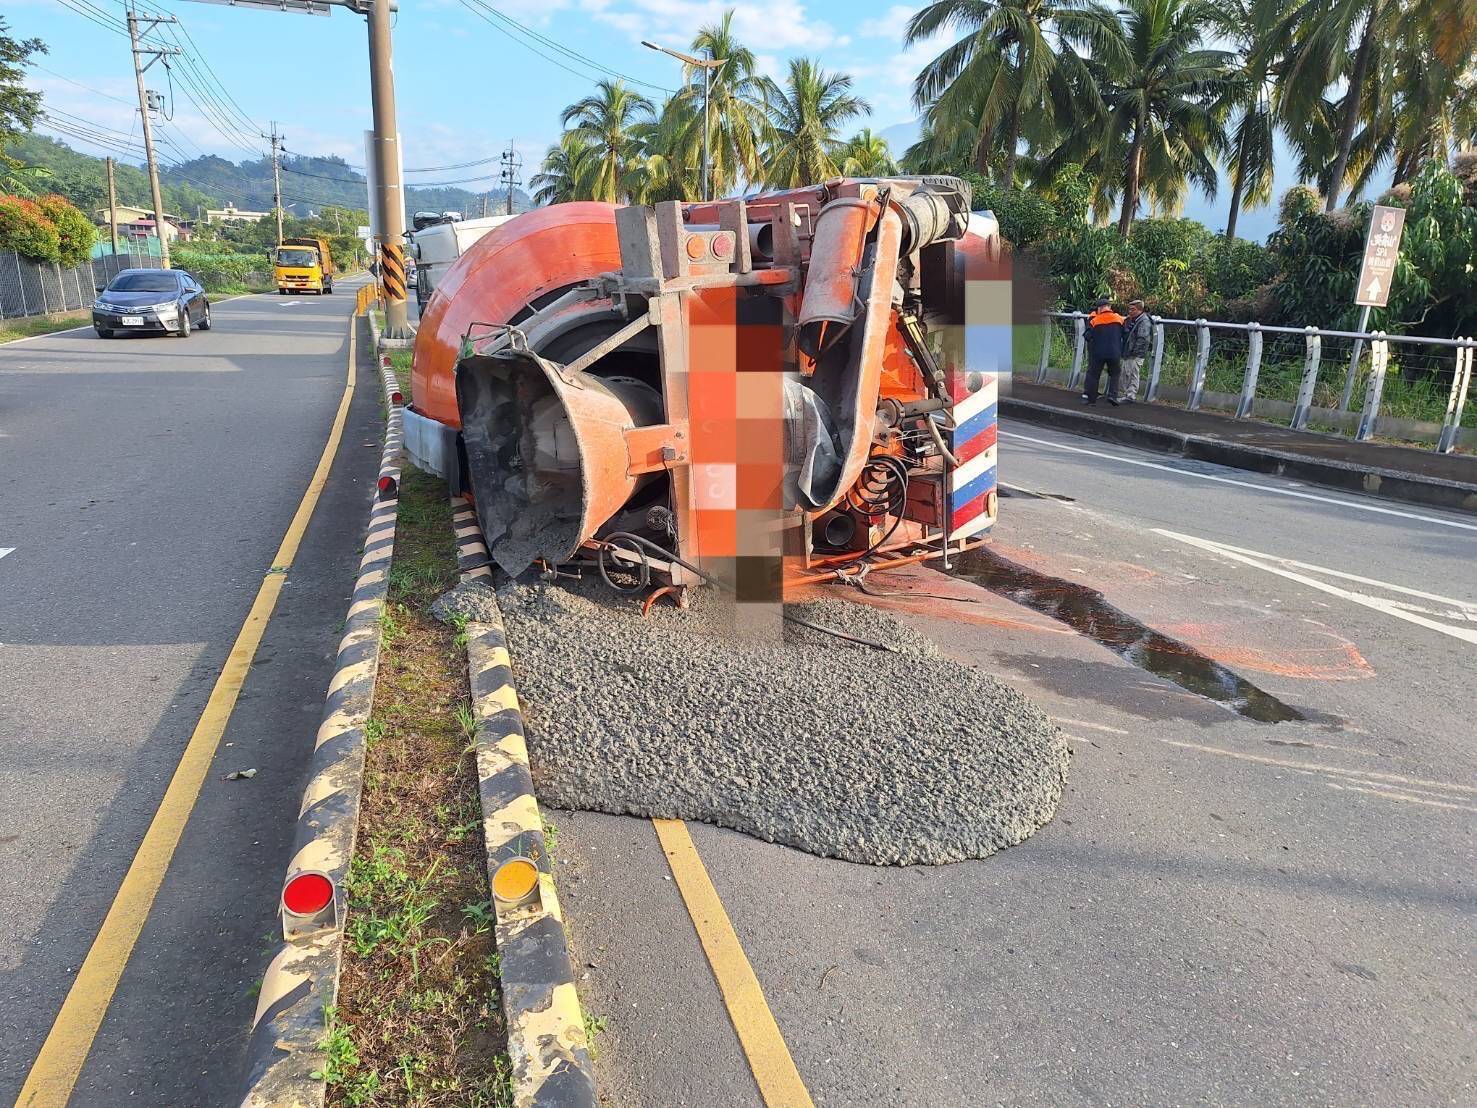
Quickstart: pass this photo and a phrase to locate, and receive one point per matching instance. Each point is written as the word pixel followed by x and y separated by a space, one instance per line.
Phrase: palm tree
pixel 668 170
pixel 1252 26
pixel 563 172
pixel 1331 42
pixel 805 114
pixel 996 78
pixel 738 128
pixel 1164 95
pixel 607 122
pixel 865 154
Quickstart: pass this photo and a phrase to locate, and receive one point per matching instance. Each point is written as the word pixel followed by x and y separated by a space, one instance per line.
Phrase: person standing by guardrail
pixel 1138 332
pixel 1105 338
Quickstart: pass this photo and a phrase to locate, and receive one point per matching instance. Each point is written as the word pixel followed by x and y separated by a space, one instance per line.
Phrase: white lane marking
pixel 1467 610
pixel 1367 777
pixel 1246 484
pixel 1092 726
pixel 4 550
pixel 1402 796
pixel 1377 603
pixel 88 326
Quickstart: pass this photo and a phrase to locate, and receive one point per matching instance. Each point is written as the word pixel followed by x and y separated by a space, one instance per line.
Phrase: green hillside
pixel 308 183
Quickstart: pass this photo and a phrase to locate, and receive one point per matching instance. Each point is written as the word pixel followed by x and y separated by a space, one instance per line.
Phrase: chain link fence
pixel 1356 383
pixel 30 288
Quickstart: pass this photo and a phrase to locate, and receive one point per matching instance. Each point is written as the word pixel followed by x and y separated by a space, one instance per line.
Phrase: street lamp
pixel 708 66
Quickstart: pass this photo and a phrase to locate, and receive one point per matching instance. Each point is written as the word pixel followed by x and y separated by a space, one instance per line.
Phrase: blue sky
pixel 464 87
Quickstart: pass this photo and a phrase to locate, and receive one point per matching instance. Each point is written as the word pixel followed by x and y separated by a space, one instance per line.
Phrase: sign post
pixel 1381 251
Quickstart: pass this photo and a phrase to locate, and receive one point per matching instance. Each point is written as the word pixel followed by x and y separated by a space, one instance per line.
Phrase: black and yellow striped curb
pixel 547 1047
pixel 301 982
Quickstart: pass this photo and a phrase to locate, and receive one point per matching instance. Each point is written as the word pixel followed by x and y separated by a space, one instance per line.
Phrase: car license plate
pixel 133 321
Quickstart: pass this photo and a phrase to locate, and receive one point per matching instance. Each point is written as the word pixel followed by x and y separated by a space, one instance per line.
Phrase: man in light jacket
pixel 1138 331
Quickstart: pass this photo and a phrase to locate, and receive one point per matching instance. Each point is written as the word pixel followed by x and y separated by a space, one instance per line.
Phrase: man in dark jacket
pixel 1104 351
pixel 1138 332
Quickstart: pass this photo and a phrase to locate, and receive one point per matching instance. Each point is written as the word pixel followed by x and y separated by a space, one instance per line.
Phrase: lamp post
pixel 709 66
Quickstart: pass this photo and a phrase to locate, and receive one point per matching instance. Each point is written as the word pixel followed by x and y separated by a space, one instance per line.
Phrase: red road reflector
pixel 388 487
pixel 384 361
pixel 307 894
pixel 396 398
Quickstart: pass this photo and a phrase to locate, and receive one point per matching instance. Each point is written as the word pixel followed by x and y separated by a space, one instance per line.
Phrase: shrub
pixel 25 228
pixel 75 231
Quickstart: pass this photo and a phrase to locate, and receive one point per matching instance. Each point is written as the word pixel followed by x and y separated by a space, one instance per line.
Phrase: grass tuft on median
pixel 419 1018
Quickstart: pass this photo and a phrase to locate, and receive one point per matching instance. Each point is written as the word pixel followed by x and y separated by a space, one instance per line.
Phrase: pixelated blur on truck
pixel 303 265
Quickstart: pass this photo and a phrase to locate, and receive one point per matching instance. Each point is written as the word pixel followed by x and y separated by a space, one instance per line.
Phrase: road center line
pixel 1245 484
pixel 56 1069
pixel 1377 603
pixel 769 1058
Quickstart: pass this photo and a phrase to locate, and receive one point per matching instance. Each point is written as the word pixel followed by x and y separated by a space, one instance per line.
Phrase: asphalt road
pixel 1223 911
pixel 146 485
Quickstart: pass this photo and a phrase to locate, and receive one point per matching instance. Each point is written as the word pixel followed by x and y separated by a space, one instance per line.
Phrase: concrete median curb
pixel 301 983
pixel 1408 488
pixel 547 1046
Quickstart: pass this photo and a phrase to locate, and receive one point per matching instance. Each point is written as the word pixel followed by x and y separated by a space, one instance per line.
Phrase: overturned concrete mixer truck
pixel 785 387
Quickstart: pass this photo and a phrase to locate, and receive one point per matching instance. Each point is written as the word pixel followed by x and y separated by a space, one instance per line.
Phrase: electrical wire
pixel 506 24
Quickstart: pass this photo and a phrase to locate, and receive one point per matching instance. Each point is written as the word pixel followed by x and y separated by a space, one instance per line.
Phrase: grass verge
pixel 30 326
pixel 419 1019
pixel 400 362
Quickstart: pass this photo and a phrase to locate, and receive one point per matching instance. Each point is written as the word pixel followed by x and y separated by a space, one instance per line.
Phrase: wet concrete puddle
pixel 1087 612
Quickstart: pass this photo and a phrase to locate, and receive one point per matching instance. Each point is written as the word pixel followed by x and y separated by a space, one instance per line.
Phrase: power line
pixel 79 84
pixel 503 22
pixel 458 165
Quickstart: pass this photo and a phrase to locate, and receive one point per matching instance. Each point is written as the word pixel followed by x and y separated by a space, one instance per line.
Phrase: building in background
pixel 232 214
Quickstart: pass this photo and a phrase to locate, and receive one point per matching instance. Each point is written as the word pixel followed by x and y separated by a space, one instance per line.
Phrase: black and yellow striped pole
pixel 392 275
pixel 391 198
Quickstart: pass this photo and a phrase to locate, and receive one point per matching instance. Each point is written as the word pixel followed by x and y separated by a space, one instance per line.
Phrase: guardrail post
pixel 1253 369
pixel 1202 360
pixel 1379 360
pixel 1079 346
pixel 1456 400
pixel 1310 379
pixel 20 283
pixel 1156 363
pixel 1048 332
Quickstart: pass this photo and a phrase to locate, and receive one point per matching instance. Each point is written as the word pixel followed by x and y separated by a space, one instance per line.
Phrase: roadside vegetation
pixel 1084 126
pixel 12 329
pixel 419 1018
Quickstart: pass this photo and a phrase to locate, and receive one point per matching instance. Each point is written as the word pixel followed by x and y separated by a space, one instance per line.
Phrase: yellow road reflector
pixel 515 880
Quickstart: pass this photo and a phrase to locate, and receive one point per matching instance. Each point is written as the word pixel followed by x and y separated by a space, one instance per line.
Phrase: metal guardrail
pixel 1461 350
pixel 31 288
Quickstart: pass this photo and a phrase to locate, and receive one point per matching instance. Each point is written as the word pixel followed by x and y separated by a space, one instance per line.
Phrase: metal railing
pixel 30 288
pixel 1228 362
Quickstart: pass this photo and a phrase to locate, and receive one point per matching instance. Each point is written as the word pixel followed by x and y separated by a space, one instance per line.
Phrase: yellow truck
pixel 302 265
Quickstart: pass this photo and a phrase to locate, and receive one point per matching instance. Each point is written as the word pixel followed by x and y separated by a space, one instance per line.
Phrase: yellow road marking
pixel 57 1067
pixel 769 1058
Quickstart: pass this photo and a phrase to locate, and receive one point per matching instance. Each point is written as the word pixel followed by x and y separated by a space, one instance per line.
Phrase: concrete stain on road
pixel 1086 611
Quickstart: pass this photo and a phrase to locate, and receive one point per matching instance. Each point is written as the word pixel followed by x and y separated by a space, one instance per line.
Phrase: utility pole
pixel 277 140
pixel 511 163
pixel 112 206
pixel 139 67
pixel 387 161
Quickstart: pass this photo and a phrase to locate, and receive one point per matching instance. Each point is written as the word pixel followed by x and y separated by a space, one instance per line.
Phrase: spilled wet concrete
pixel 1088 612
pixel 893 757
